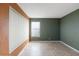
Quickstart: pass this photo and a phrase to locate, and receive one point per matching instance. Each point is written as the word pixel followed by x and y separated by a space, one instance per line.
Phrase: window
pixel 35 29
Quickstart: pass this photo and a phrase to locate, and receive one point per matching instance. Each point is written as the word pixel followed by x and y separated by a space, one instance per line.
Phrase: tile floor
pixel 39 48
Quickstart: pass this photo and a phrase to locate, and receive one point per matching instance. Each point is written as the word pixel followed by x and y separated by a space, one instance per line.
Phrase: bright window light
pixel 35 29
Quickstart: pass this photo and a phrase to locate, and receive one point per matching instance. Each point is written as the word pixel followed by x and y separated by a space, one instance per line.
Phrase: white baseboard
pixel 45 41
pixel 70 46
pixel 23 49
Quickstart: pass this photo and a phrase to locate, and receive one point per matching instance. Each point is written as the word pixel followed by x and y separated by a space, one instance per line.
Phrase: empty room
pixel 39 29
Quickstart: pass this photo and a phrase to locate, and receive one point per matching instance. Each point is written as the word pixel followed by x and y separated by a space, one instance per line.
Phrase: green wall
pixel 70 29
pixel 49 28
pixel 66 29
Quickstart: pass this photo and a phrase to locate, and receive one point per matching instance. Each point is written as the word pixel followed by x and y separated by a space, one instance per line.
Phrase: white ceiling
pixel 48 10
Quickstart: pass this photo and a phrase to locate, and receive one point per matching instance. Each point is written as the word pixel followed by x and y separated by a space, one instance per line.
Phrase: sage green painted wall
pixel 70 29
pixel 49 28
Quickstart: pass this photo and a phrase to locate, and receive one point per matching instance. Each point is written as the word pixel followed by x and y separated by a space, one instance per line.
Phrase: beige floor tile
pixel 48 49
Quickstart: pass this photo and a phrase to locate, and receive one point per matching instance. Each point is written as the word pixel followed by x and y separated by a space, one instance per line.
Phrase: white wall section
pixel 18 29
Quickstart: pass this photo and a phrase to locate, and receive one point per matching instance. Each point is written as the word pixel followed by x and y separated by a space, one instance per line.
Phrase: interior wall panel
pixel 18 29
